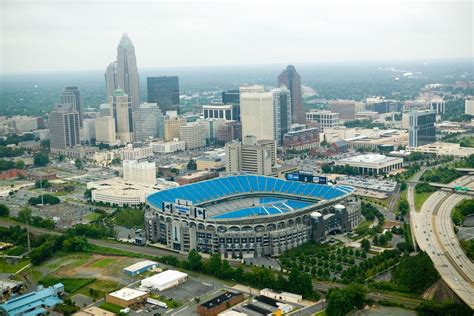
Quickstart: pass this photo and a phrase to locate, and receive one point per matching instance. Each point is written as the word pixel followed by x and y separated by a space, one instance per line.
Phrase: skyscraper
pixel 123 74
pixel 64 127
pixel 292 80
pixel 421 130
pixel 256 112
pixel 72 96
pixel 121 111
pixel 148 121
pixel 281 113
pixel 164 91
pixel 232 97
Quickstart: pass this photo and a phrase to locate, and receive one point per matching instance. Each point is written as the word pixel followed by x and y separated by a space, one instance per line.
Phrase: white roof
pixel 127 294
pixel 140 265
pixel 164 277
pixel 231 313
pixel 370 158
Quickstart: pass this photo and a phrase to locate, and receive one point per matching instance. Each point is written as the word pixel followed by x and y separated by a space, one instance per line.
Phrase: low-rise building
pixel 372 164
pixel 281 295
pixel 93 311
pixel 136 152
pixel 220 303
pixel 34 303
pixel 443 149
pixel 209 163
pixel 196 177
pixel 323 119
pixel 140 267
pixel 168 147
pixel 126 297
pixel 164 280
pixel 301 139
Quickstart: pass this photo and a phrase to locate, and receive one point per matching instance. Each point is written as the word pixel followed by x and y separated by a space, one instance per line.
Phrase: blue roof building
pixel 34 303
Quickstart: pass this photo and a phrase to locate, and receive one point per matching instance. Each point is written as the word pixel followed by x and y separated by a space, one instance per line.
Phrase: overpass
pixel 435 235
pixel 457 188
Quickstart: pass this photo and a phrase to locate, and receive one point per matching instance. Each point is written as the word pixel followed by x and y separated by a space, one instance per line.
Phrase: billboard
pixel 181 208
pixel 305 177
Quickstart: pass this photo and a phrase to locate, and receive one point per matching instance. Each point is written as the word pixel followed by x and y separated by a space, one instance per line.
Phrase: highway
pixel 434 233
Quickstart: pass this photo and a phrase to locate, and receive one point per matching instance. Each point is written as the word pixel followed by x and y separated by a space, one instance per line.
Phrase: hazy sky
pixel 71 35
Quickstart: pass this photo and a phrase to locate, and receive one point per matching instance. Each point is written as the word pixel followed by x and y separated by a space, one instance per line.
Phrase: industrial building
pixel 220 303
pixel 34 303
pixel 247 216
pixel 282 296
pixel 140 267
pixel 164 280
pixel 126 297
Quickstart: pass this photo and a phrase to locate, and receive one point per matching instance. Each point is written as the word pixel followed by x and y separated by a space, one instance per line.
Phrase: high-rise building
pixel 469 107
pixel 292 80
pixel 121 111
pixel 64 129
pixel 421 130
pixel 347 109
pixel 194 134
pixel 250 156
pixel 89 129
pixel 218 111
pixel 232 97
pixel 231 130
pixel 172 125
pixel 140 171
pixel 149 121
pixel 72 96
pixel 123 74
pixel 324 119
pixel 164 91
pixel 104 109
pixel 281 113
pixel 105 130
pixel 256 112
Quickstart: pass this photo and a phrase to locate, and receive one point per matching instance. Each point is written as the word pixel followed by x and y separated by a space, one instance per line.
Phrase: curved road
pixel 434 233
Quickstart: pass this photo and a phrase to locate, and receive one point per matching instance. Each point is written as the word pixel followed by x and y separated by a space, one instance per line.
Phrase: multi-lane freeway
pixel 434 233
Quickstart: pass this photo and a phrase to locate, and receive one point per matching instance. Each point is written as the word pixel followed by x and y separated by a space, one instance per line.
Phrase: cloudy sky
pixel 68 35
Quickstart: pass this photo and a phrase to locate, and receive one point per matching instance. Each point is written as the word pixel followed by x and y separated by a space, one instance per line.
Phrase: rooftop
pixel 370 159
pixel 140 265
pixel 127 294
pixel 220 299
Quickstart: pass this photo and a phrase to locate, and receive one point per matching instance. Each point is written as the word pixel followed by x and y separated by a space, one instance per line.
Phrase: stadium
pixel 248 216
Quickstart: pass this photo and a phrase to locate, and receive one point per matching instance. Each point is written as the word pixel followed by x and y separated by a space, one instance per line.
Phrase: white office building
pixel 168 147
pixel 194 134
pixel 257 113
pixel 325 119
pixel 372 164
pixel 139 171
pixel 105 131
pixel 469 107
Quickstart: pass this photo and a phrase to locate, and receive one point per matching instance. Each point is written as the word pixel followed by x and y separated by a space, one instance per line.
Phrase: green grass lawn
pixel 100 288
pixel 71 285
pixel 111 307
pixel 420 198
pixel 12 268
pixel 92 217
pixel 112 251
pixel 102 263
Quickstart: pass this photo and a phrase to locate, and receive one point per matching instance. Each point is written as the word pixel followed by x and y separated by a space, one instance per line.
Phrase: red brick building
pixel 220 303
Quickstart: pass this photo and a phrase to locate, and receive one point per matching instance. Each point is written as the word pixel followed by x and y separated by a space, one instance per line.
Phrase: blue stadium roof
pixel 202 192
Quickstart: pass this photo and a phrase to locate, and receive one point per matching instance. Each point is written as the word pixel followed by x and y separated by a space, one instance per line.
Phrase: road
pixel 434 233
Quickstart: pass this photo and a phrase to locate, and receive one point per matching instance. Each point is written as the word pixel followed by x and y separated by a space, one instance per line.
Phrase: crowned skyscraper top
pixel 123 74
pixel 292 80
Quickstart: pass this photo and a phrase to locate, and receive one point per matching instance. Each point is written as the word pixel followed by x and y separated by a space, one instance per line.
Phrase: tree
pixel 215 265
pixel 4 210
pixel 74 244
pixel 20 164
pixel 192 165
pixel 365 244
pixel 343 300
pixel 24 215
pixel 403 207
pixel 194 260
pixel 415 273
pixel 41 159
pixel 78 163
pixel 43 183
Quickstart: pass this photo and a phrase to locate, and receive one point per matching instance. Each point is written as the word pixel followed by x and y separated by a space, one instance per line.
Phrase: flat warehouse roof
pixel 165 277
pixel 140 265
pixel 127 294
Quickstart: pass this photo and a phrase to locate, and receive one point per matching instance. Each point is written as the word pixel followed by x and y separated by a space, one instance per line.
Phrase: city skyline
pixel 351 36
